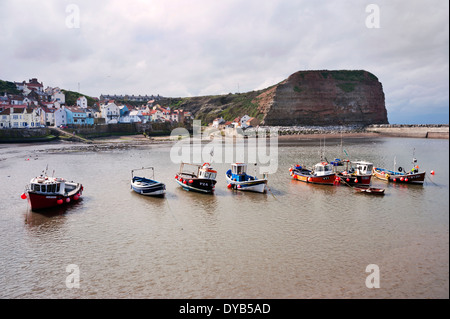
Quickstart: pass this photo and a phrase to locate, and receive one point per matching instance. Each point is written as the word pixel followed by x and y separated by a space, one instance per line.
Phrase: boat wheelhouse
pixel 356 173
pixel 237 178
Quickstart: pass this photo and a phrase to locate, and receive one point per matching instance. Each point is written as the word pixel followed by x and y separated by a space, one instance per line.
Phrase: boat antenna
pixel 395 163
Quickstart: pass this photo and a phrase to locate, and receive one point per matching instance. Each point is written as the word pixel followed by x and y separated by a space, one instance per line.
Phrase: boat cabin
pixel 323 168
pixel 363 168
pixel 238 172
pixel 207 172
pixel 46 185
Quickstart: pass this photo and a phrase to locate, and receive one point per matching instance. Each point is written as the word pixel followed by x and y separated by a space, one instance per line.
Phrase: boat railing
pixel 143 168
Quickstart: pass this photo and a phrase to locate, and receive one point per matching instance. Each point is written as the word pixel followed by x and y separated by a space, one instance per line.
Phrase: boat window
pixel 36 187
pixel 57 188
pixel 212 176
pixel 43 188
pixel 51 188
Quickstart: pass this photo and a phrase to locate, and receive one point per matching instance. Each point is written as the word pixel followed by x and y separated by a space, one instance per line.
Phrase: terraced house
pixel 78 116
pixel 19 117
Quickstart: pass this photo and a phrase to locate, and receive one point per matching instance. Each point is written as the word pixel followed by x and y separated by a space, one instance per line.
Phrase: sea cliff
pixel 305 98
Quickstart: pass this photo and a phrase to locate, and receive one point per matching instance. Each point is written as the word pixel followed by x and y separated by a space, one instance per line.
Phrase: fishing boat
pixel 356 173
pixel 46 192
pixel 147 186
pixel 198 178
pixel 322 173
pixel 338 162
pixel 237 178
pixel 399 175
pixel 369 190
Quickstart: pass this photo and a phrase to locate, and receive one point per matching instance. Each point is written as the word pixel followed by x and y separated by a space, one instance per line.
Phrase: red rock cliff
pixel 324 98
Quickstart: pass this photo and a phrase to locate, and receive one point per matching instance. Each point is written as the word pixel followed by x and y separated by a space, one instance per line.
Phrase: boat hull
pixel 370 190
pixel 307 177
pixel 258 186
pixel 352 180
pixel 200 185
pixel 39 201
pixel 399 177
pixel 147 187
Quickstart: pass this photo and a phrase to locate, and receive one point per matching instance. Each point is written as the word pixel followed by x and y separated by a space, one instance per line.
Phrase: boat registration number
pixel 50 196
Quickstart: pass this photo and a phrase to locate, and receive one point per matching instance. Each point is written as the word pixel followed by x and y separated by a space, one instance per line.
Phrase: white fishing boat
pixel 237 178
pixel 147 186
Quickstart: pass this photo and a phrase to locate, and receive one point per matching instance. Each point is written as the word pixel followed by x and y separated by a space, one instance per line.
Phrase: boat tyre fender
pixel 400 169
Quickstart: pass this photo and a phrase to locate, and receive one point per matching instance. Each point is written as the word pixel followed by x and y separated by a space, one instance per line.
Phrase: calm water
pixel 297 241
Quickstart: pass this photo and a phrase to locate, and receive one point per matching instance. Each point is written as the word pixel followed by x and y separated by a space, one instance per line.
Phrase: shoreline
pixel 300 136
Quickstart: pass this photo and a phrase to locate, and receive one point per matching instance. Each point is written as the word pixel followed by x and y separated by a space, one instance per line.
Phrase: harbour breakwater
pixel 83 134
pixel 404 130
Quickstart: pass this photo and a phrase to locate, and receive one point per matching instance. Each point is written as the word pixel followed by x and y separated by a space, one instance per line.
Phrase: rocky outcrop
pixel 324 98
pixel 310 98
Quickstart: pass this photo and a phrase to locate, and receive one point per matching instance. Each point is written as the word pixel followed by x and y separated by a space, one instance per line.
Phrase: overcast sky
pixel 190 48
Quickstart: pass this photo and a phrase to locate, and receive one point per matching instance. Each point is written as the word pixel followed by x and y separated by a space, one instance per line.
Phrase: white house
pixel 135 116
pixel 47 116
pixel 60 117
pixel 5 121
pixel 243 121
pixel 82 102
pixel 24 117
pixel 217 122
pixel 59 97
pixel 110 112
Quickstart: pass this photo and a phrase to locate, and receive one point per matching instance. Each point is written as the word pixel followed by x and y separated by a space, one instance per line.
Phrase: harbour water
pixel 297 241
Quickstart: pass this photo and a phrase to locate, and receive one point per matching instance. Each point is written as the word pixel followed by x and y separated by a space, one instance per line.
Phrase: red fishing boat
pixel 46 192
pixel 322 173
pixel 356 173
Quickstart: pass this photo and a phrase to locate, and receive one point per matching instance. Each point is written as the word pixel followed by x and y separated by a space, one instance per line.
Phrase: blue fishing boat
pixel 237 178
pixel 147 186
